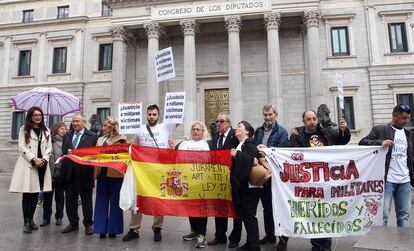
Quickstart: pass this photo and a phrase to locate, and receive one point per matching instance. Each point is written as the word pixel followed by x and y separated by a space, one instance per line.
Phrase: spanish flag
pixel 183 183
pixel 113 156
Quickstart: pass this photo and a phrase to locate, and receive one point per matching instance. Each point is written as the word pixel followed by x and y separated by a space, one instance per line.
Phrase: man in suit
pixel 223 138
pixel 78 179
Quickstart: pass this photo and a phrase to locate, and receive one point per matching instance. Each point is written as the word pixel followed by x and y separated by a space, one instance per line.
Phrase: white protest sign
pixel 130 117
pixel 164 64
pixel 340 83
pixel 329 191
pixel 174 107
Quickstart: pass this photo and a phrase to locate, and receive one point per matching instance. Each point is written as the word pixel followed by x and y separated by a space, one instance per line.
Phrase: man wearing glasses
pixel 398 162
pixel 223 138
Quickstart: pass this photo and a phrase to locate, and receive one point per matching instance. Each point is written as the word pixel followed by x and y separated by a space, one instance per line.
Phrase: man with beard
pixel 270 134
pixel 313 135
pixel 157 136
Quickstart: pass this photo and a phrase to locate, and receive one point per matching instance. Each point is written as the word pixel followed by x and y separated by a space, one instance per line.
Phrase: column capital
pixel 233 23
pixel 272 20
pixel 311 18
pixel 153 29
pixel 189 26
pixel 118 32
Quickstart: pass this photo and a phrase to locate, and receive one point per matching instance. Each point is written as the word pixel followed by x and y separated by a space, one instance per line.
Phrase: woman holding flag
pixel 108 218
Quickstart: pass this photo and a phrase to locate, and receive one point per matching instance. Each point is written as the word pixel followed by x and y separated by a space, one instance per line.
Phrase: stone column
pixel 316 87
pixel 274 79
pixel 118 69
pixel 41 60
pixel 6 66
pixel 189 28
pixel 233 24
pixel 373 35
pixel 77 68
pixel 153 90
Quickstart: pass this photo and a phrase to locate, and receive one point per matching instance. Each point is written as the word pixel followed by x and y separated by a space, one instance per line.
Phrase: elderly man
pixel 78 179
pixel 398 163
pixel 158 136
pixel 223 138
pixel 313 135
pixel 270 134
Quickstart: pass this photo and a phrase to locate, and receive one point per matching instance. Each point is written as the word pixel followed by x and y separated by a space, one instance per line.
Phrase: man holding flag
pixel 154 135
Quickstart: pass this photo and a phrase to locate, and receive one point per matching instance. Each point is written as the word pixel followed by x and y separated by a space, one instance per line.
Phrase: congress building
pixel 229 55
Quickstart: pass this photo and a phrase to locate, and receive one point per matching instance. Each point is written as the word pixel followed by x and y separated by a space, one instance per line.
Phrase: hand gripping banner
pixel 327 191
pixel 183 183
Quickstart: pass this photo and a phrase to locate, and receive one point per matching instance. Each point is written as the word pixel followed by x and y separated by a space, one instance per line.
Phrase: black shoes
pixel 131 235
pixel 102 236
pixel 268 239
pixel 281 245
pixel 70 228
pixel 112 236
pixel 45 223
pixel 157 234
pixel 33 225
pixel 27 228
pixel 216 241
pixel 245 247
pixel 58 222
pixel 233 244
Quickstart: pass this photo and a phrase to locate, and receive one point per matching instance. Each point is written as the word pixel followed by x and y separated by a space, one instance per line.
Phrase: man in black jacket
pixel 398 163
pixel 313 135
pixel 78 179
pixel 224 138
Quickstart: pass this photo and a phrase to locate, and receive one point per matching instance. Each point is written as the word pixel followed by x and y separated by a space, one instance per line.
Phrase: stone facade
pixel 263 51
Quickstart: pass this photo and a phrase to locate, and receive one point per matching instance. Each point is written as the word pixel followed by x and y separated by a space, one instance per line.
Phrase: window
pixel 340 41
pixel 27 16
pixel 105 57
pixel 59 60
pixel 398 37
pixel 349 111
pixel 407 98
pixel 103 112
pixel 17 122
pixel 62 12
pixel 53 120
pixel 24 63
pixel 106 11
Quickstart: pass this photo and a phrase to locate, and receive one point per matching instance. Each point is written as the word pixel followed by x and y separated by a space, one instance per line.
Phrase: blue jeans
pixel 402 199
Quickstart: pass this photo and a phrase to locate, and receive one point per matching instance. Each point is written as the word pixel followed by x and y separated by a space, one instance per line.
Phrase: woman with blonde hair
pixel 58 130
pixel 31 173
pixel 108 217
pixel 197 142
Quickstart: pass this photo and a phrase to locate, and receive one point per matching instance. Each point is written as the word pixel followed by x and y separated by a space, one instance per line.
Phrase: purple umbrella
pixel 51 100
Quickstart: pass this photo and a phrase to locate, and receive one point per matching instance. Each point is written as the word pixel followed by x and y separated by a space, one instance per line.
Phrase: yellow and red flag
pixel 183 183
pixel 114 156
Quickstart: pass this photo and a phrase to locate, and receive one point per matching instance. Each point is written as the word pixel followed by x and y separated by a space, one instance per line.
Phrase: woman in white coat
pixel 31 173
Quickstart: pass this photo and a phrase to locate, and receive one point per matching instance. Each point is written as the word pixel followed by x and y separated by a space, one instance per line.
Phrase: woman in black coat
pixel 245 196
